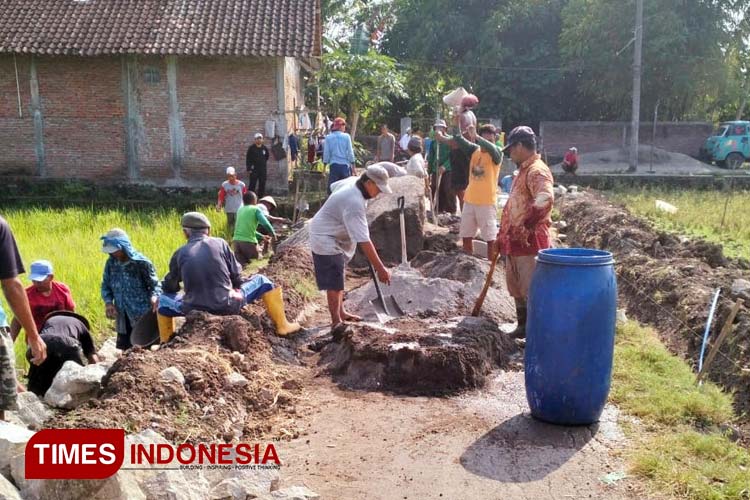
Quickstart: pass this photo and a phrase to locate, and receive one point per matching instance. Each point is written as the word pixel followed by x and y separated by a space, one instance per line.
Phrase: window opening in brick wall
pixel 151 75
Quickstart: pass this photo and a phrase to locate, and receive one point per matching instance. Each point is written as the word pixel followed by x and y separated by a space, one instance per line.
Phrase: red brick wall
pixel 83 117
pixel 16 133
pixel 222 102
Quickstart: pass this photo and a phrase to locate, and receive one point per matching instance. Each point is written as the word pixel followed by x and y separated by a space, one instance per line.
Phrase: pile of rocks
pixel 128 484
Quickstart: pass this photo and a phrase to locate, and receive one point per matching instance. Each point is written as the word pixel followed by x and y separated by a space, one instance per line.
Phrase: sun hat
pixel 195 220
pixel 110 235
pixel 269 200
pixel 40 270
pixel 379 175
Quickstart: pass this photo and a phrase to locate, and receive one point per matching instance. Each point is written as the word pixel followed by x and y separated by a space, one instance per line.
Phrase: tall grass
pixel 676 459
pixel 69 238
pixel 699 213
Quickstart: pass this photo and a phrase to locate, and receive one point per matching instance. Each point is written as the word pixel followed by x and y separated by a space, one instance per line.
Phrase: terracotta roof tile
pixel 191 27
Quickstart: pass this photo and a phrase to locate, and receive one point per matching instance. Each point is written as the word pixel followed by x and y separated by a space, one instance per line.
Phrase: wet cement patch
pixel 418 356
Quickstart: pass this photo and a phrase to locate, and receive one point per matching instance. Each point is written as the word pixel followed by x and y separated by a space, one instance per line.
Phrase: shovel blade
pixel 380 311
pixel 393 307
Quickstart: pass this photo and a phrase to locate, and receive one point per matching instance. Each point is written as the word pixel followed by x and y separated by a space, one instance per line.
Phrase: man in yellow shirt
pixel 479 213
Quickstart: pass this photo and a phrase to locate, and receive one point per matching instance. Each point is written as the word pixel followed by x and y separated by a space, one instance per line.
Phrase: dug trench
pixel 669 281
pixel 429 405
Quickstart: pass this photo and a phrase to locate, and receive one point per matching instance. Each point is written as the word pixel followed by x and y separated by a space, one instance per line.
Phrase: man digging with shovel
pixel 336 230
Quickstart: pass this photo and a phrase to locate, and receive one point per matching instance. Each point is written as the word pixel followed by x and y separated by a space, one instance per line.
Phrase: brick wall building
pixel 149 91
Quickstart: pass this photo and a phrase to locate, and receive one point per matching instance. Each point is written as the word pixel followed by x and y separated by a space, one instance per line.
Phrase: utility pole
pixel 635 124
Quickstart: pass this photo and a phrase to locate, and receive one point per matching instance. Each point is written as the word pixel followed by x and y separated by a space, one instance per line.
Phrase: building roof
pixel 166 27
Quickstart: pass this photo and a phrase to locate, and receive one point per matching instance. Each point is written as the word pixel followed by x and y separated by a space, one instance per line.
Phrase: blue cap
pixel 40 269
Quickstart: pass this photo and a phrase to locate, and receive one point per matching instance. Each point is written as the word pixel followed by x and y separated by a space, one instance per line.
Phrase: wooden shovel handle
pixel 488 281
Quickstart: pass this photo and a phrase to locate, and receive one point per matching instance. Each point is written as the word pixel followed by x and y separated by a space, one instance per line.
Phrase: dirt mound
pixel 617 160
pixel 668 281
pixel 210 404
pixel 471 272
pixel 418 356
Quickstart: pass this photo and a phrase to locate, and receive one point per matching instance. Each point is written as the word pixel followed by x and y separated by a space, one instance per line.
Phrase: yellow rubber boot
pixel 166 327
pixel 274 302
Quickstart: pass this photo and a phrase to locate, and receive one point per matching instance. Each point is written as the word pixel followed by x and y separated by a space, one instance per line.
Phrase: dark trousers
pixel 257 180
pixel 337 171
pixel 446 196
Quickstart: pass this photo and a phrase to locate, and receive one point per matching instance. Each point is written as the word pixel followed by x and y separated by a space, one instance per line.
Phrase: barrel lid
pixel 576 257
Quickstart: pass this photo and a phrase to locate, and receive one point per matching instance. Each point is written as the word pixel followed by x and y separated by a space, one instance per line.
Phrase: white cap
pixel 231 171
pixel 258 135
pixel 379 175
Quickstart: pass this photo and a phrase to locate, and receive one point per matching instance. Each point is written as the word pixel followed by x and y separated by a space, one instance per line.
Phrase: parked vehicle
pixel 729 146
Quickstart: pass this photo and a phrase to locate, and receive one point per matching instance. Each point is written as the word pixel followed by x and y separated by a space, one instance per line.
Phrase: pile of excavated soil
pixel 436 348
pixel 617 161
pixel 208 405
pixel 669 282
pixel 418 356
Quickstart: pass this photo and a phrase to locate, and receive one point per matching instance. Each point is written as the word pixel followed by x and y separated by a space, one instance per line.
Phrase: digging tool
pixel 725 331
pixel 480 299
pixel 385 307
pixel 402 222
pixel 436 198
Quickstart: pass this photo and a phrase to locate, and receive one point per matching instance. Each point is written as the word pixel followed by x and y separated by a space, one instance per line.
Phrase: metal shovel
pixel 402 223
pixel 385 307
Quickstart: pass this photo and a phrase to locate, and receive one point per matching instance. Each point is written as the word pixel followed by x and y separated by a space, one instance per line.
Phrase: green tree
pixel 683 51
pixel 505 51
pixel 358 85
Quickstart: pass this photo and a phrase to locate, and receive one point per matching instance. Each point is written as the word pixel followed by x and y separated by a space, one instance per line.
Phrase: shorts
pixel 7 372
pixel 329 271
pixel 482 218
pixel 518 273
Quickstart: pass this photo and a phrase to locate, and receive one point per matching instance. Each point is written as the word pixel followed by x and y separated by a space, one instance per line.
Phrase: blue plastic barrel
pixel 570 335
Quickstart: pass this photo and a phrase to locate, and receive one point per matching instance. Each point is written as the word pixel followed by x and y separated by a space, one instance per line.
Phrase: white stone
pixel 236 379
pixel 121 486
pixel 13 439
pixel 175 485
pixel 621 316
pixel 172 374
pixel 741 287
pixel 108 353
pixel 295 493
pixel 8 491
pixel 32 412
pixel 74 384
pixel 242 484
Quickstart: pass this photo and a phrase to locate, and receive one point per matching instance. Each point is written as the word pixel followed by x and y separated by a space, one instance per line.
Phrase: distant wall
pixel 588 137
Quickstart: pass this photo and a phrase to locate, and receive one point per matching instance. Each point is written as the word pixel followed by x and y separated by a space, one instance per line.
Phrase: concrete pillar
pixel 283 165
pixel 134 129
pixel 176 130
pixel 38 119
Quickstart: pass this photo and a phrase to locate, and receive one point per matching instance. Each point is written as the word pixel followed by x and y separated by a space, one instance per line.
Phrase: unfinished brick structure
pixel 149 91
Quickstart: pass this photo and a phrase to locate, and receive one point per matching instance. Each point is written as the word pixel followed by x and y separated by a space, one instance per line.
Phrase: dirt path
pixel 481 445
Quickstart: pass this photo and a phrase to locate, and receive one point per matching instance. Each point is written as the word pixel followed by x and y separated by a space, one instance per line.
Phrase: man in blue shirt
pixel 338 153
